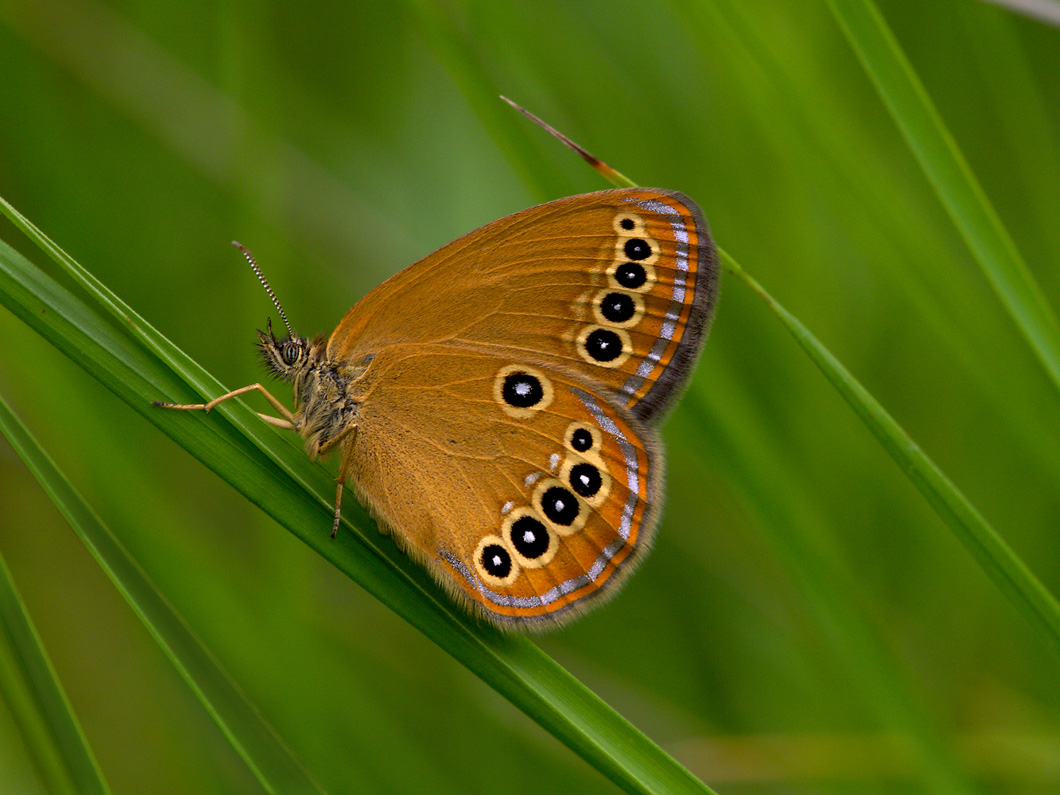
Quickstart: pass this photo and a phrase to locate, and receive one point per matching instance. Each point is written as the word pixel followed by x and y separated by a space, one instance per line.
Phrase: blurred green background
pixel 340 142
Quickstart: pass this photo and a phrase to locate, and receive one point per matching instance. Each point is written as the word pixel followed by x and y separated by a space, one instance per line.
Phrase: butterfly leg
pixel 344 471
pixel 338 511
pixel 286 422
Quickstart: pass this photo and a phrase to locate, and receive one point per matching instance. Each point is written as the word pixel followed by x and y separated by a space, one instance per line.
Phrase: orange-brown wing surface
pixel 617 285
pixel 521 488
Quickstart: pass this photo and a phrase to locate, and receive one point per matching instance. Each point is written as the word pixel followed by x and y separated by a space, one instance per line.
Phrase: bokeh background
pixel 804 610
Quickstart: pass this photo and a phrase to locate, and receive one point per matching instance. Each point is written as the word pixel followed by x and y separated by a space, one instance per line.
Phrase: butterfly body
pixel 494 405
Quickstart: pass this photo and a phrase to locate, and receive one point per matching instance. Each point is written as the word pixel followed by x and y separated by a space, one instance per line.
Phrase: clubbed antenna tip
pixel 264 283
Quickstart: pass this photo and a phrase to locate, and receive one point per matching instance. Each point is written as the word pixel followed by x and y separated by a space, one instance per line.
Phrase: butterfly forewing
pixel 618 286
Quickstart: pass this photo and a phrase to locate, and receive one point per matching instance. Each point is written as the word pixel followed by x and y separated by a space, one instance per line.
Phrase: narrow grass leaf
pixel 270 759
pixel 1012 577
pixel 952 178
pixel 32 691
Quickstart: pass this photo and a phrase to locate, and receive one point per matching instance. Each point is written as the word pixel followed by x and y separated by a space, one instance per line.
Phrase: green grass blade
pixel 871 672
pixel 31 688
pixel 256 741
pixel 139 365
pixel 1012 577
pixel 950 175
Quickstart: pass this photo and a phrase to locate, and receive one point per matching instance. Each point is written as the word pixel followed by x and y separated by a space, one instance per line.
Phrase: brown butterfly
pixel 495 404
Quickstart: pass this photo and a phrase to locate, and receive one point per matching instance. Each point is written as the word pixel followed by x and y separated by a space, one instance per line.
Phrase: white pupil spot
pixel 497 561
pixel 522 389
pixel 529 537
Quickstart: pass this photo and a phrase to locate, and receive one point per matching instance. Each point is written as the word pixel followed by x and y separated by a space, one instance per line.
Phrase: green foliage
pixel 806 622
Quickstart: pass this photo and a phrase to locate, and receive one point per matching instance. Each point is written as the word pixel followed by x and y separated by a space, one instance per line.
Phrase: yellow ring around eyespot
pixel 485 576
pixel 592 430
pixel 597 499
pixel 620 250
pixel 517 411
pixel 563 530
pixel 638 225
pixel 622 334
pixel 649 273
pixel 553 541
pixel 638 311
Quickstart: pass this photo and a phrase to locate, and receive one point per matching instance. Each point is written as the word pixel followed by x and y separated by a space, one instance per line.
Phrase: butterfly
pixel 495 405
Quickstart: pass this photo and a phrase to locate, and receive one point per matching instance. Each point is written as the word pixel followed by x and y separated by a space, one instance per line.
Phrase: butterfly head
pixel 288 359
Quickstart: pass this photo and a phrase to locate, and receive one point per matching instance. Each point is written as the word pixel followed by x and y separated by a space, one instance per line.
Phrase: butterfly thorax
pixel 324 412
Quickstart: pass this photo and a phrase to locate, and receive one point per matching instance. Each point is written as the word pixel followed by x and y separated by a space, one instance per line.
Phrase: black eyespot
pixel 631 275
pixel 603 345
pixel 496 561
pixel 291 352
pixel 626 223
pixel 636 248
pixel 529 537
pixel 585 479
pixel 559 505
pixel 581 440
pixel 618 307
pixel 522 390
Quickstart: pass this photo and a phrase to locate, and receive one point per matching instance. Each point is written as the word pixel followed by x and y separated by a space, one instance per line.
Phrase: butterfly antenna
pixel 606 171
pixel 264 283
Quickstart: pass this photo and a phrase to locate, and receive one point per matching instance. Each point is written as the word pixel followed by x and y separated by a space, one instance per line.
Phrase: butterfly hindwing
pixel 518 484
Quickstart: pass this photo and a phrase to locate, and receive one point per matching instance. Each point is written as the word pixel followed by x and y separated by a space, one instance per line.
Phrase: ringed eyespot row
pixel 528 535
pixel 620 304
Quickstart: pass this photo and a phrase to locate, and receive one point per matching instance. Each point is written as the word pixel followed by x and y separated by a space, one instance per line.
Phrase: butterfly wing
pixel 520 487
pixel 618 285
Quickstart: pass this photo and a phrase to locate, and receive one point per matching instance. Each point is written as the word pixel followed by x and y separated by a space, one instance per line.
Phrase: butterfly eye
pixel 291 352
